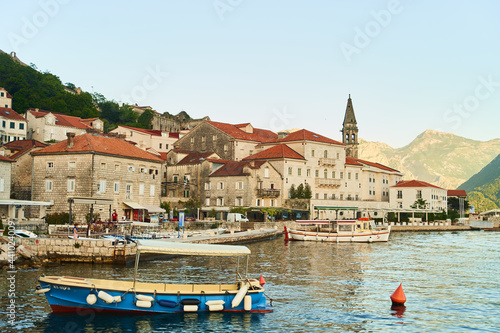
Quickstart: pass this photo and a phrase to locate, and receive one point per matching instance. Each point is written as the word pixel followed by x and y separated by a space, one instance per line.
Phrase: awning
pixel 334 208
pixel 165 247
pixel 154 209
pixel 133 205
pixel 12 202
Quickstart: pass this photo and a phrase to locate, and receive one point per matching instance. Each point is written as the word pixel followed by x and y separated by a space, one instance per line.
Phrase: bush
pixel 57 218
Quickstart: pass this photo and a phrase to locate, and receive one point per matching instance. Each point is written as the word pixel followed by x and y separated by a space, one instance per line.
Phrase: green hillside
pixel 484 187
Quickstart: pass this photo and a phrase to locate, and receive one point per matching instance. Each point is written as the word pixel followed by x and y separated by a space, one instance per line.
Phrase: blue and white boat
pixel 73 294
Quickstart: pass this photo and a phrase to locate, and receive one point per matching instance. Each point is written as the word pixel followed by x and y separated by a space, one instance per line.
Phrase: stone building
pixel 230 142
pixel 350 130
pixel 12 125
pixel 159 141
pixel 51 126
pixel 93 166
pixel 5 99
pixel 19 151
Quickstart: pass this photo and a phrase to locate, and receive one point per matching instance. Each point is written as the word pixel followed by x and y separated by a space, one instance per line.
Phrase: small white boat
pixel 24 233
pixel 352 231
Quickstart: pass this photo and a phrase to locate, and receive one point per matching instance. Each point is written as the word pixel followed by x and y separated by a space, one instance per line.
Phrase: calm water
pixel 451 281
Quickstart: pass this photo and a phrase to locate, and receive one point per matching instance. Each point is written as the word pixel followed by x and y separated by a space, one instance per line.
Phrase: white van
pixel 236 217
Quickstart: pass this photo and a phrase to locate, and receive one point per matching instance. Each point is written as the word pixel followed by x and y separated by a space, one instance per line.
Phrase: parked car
pixel 236 217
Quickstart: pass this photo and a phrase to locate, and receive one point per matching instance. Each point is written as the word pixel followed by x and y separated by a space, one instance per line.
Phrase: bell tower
pixel 350 131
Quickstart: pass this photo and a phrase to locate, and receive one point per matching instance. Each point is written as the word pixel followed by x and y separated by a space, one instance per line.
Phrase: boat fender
pixel 91 299
pixel 117 299
pixel 190 308
pixel 41 291
pixel 166 304
pixel 239 296
pixel 143 304
pixel 247 303
pixel 215 307
pixel 105 297
pixel 190 301
pixel 144 298
pixel 352 239
pixel 370 239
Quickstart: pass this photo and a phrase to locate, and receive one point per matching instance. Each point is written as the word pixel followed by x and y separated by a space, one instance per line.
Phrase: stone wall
pixel 206 138
pixel 85 250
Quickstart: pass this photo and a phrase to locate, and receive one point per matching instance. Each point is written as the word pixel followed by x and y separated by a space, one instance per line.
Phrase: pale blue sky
pixel 409 65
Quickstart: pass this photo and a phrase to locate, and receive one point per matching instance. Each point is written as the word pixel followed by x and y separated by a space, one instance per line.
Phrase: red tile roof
pixel 22 146
pixel 305 135
pixel 457 193
pixel 61 119
pixel 10 114
pixel 100 145
pixel 279 151
pixel 146 131
pixel 194 158
pixel 258 135
pixel 6 159
pixel 376 165
pixel 9 95
pixel 235 168
pixel 352 161
pixel 415 183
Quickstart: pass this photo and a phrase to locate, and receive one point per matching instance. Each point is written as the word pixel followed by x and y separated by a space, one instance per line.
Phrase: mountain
pixel 443 159
pixel 483 188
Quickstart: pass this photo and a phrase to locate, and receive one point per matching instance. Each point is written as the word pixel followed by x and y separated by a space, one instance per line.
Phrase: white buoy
pixel 105 297
pixel 91 299
pixel 143 304
pixel 42 291
pixel 247 303
pixel 190 308
pixel 239 296
pixel 144 298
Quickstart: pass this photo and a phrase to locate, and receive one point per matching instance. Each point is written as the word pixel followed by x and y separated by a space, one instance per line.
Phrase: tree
pixel 144 120
pixel 272 212
pixel 307 191
pixel 299 193
pixel 292 192
pixel 419 204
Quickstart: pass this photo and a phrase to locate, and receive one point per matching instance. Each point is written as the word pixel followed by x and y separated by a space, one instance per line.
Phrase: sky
pixel 408 65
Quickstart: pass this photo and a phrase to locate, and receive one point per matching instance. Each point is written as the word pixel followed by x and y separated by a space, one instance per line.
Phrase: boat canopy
pixel 165 247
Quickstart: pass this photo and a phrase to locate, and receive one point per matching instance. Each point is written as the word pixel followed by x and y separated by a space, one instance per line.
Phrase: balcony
pixel 325 182
pixel 268 193
pixel 327 161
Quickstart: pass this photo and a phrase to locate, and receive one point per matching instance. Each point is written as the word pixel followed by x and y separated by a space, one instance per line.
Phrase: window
pixel 2 94
pixel 325 173
pixel 159 145
pixel 2 185
pixel 271 203
pixel 21 126
pixel 226 148
pixel 141 189
pixel 299 172
pixel 419 194
pixel 72 164
pixel 220 201
pixel 400 194
pixel 50 165
pixel 117 167
pixel 192 140
pixel 142 170
pixel 103 166
pixel 186 193
pixel 312 153
pixel 152 190
pixel 325 154
pixel 220 185
pixel 203 139
pixel 12 125
pixel 128 195
pixel 238 201
pixel 341 175
pixel 116 187
pixel 316 173
pixel 333 174
pixel 101 186
pixel 71 185
pixel 48 185
pixel 266 173
pixel 131 168
pixel 207 202
pixel 239 185
pixel 325 196
pixel 208 186
pixel 289 170
pixel 356 176
pixel 3 123
pixel 341 197
pixel 317 195
pixel 257 202
pixel 348 175
pixel 308 172
pixel 214 137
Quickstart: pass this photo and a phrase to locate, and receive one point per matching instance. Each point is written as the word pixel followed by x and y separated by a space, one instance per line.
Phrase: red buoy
pixel 286 235
pixel 262 282
pixel 398 297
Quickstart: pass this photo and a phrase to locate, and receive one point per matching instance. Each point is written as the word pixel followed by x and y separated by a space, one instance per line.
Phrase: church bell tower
pixel 350 131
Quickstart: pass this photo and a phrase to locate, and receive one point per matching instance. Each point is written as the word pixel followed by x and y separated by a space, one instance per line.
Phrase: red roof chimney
pixel 71 139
